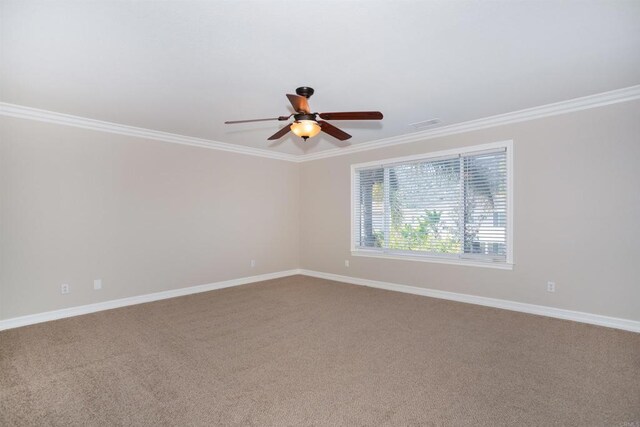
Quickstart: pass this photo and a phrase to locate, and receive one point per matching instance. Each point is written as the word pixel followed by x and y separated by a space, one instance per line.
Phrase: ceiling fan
pixel 306 125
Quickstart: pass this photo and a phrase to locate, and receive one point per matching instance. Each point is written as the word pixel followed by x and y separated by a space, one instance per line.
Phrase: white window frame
pixel 443 259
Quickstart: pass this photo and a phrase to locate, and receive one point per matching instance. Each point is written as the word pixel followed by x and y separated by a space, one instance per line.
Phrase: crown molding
pixel 586 102
pixel 22 112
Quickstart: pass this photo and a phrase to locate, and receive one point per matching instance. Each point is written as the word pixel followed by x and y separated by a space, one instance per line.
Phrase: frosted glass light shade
pixel 305 128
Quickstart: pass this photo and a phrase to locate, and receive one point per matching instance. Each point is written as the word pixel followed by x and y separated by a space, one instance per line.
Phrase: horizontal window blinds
pixel 449 207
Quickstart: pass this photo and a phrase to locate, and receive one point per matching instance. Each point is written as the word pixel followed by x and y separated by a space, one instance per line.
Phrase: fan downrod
pixel 305 91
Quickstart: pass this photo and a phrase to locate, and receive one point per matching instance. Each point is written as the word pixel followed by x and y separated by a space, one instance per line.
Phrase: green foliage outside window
pixel 429 234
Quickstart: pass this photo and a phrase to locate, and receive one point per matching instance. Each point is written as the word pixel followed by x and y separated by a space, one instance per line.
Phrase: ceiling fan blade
pixel 282 132
pixel 352 115
pixel 333 131
pixel 280 118
pixel 299 103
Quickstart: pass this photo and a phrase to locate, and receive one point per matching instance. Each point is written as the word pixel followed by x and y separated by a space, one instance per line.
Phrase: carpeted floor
pixel 302 351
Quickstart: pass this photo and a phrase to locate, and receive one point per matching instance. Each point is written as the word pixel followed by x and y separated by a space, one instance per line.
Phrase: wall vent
pixel 425 124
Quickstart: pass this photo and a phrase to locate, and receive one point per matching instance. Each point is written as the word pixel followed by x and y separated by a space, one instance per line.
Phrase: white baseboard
pixel 31 319
pixel 576 316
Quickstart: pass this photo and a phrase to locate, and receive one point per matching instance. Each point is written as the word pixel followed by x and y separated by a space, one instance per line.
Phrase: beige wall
pixel 577 215
pixel 146 216
pixel 143 216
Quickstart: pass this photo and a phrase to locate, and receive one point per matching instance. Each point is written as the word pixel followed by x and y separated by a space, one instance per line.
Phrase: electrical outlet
pixel 97 284
pixel 551 286
pixel 64 288
pixel 253 263
pixel 346 263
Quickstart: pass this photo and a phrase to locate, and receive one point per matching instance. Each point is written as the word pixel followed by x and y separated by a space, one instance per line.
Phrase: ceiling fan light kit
pixel 306 125
pixel 305 129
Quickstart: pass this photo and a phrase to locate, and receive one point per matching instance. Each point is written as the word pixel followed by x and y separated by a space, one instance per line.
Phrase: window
pixel 452 206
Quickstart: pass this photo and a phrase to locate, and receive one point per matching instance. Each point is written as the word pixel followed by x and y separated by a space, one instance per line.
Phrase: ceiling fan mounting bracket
pixel 305 91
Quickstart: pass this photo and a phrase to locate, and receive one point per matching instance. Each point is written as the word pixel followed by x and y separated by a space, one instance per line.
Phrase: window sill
pixel 438 260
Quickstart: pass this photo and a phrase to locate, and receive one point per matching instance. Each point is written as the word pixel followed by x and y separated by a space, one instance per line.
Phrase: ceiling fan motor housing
pixel 303 116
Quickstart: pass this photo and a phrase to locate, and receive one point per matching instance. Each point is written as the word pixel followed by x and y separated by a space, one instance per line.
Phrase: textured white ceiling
pixel 185 66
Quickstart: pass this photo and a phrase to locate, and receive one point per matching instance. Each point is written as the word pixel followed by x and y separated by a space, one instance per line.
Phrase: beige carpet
pixel 301 351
